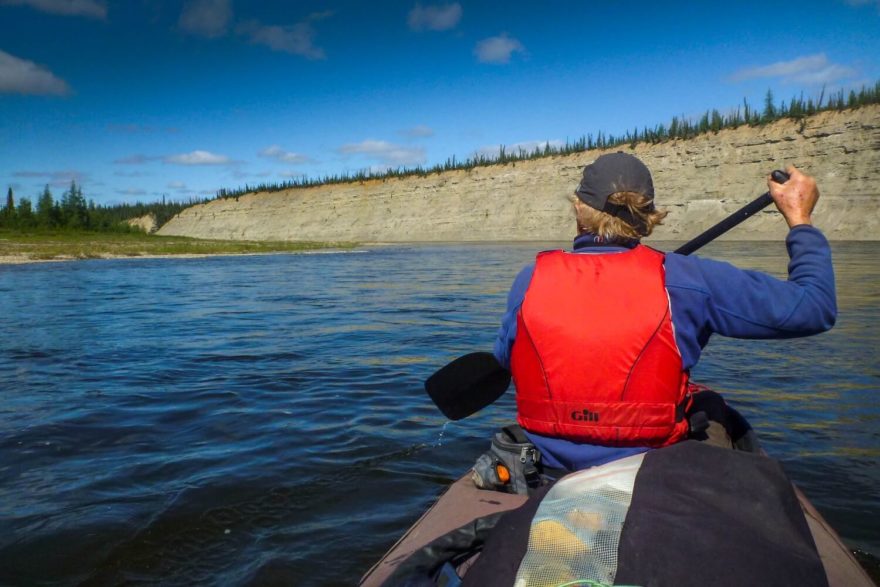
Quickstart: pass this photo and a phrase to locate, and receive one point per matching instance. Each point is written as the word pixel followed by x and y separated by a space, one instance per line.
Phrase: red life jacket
pixel 595 358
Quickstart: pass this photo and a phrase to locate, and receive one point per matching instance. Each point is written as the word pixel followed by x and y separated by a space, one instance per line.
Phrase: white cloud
pixel 418 132
pixel 64 178
pixel 55 178
pixel 292 174
pixel 526 147
pixel 132 192
pixel 297 39
pixel 279 154
pixel 206 18
pixel 811 69
pixel 386 153
pixel 198 158
pixel 89 8
pixel 180 188
pixel 498 49
pixel 440 17
pixel 20 76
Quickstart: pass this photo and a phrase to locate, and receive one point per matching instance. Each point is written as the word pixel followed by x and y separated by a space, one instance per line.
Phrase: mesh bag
pixel 575 532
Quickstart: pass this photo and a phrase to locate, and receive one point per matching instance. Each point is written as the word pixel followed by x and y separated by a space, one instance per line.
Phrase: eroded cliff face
pixel 699 181
pixel 147 223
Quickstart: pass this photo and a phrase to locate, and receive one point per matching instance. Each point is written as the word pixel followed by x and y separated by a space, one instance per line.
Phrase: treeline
pixel 797 108
pixel 73 212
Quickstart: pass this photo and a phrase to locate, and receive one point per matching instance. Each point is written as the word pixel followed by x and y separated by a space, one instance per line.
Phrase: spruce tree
pixel 25 214
pixel 81 208
pixel 45 209
pixel 7 216
pixel 74 211
pixel 769 107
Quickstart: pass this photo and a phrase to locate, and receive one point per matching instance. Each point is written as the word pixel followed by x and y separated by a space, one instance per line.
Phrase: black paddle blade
pixel 467 385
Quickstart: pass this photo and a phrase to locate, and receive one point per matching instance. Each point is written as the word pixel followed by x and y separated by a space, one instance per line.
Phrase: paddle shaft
pixel 733 220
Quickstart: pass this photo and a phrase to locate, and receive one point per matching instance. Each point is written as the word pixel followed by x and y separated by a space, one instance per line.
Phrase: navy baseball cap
pixel 612 173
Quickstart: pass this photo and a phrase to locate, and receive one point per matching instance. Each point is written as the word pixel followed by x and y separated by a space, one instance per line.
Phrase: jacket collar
pixel 588 240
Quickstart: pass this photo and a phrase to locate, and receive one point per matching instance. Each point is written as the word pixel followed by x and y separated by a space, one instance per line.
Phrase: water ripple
pixel 239 421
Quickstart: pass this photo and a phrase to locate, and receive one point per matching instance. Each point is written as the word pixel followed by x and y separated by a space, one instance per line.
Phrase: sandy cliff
pixel 147 223
pixel 700 181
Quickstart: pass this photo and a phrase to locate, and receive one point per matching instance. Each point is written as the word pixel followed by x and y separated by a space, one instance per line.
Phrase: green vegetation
pixel 798 108
pixel 73 213
pixel 69 244
pixel 73 229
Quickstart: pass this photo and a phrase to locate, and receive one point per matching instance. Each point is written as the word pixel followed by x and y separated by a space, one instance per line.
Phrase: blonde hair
pixel 613 228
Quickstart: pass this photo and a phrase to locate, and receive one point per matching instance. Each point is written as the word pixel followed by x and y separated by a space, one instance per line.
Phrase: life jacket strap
pixel 515 433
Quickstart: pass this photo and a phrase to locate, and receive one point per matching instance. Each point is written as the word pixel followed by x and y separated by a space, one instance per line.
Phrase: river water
pixel 261 420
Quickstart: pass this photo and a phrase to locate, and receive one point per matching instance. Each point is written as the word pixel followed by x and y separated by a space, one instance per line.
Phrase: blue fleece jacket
pixel 706 297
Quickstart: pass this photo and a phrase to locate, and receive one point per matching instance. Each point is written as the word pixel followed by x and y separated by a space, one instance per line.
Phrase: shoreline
pixel 24 259
pixel 19 247
pixel 8 260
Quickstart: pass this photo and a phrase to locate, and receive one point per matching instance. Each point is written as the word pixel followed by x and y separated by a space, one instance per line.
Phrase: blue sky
pixel 136 99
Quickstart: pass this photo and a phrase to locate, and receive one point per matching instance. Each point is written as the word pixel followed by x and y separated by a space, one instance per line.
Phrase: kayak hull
pixel 462 503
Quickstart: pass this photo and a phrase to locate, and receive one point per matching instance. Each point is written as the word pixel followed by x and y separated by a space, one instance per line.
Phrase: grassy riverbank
pixel 23 247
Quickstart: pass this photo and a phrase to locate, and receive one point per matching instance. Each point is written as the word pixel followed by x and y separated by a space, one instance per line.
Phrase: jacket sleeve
pixel 751 304
pixel 507 331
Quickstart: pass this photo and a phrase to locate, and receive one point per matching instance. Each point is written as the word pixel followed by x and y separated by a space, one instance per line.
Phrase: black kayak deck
pixel 462 503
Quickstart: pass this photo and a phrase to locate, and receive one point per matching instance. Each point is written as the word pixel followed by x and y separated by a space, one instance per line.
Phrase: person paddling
pixel 601 340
